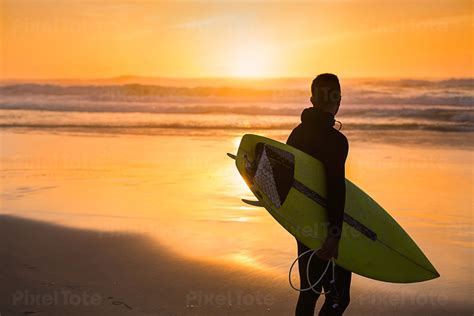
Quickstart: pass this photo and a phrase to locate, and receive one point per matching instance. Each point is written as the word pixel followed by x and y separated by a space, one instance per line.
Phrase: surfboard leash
pixel 312 286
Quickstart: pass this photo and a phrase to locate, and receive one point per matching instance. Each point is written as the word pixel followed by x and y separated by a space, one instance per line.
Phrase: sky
pixel 42 39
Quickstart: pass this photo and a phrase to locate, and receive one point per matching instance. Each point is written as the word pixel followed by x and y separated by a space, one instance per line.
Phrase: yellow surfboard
pixel 290 184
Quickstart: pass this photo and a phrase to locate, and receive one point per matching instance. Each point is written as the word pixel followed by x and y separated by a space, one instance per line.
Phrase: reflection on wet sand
pixel 184 193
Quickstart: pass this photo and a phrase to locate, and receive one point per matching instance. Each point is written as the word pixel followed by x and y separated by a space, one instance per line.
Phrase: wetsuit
pixel 317 137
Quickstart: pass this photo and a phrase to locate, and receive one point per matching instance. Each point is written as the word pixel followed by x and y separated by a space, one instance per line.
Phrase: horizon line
pixel 263 78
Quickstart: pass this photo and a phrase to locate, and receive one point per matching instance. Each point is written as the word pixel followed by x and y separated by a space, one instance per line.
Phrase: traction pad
pixel 272 172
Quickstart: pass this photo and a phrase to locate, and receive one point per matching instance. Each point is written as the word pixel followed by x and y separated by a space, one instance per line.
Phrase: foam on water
pixel 442 105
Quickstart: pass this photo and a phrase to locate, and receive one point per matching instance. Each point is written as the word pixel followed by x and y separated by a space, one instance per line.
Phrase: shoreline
pixel 419 138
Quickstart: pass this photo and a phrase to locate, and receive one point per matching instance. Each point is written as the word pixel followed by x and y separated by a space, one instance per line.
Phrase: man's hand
pixel 329 249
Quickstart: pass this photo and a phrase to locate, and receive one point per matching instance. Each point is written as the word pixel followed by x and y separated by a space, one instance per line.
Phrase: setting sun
pixel 251 61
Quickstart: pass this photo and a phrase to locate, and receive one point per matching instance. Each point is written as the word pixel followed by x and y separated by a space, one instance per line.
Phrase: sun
pixel 251 61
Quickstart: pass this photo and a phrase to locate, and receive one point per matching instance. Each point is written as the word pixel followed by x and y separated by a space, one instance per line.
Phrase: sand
pixel 47 269
pixel 90 272
pixel 98 225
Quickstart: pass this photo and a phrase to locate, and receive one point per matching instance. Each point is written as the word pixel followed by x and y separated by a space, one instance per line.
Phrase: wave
pixel 443 105
pixel 380 92
pixel 454 114
pixel 353 127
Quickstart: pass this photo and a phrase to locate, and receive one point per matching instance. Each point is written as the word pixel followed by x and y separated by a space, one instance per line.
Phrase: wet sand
pixel 90 272
pixel 48 269
pixel 154 224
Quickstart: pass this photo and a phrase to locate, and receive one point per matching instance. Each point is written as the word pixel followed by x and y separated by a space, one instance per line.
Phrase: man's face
pixel 331 94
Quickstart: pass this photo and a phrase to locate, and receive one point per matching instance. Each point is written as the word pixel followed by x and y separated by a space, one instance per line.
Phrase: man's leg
pixel 307 299
pixel 338 298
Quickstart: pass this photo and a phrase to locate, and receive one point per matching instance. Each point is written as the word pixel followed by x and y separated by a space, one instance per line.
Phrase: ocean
pixel 367 105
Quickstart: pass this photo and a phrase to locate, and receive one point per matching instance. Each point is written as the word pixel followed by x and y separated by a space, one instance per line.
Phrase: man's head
pixel 326 93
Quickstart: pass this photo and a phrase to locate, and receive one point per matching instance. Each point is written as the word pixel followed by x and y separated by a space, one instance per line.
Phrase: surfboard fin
pixel 253 203
pixel 232 156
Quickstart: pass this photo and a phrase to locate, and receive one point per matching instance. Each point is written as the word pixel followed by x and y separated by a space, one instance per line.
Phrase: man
pixel 317 137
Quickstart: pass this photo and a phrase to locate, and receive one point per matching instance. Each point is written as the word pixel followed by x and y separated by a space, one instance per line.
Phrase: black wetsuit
pixel 317 137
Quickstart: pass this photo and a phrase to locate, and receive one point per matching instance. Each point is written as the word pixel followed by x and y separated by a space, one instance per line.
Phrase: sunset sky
pixel 95 39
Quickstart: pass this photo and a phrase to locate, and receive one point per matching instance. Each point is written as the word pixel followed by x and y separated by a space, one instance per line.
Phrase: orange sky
pixel 105 38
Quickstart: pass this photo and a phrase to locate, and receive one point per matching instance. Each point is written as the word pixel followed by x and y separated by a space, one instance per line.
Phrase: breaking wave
pixel 443 105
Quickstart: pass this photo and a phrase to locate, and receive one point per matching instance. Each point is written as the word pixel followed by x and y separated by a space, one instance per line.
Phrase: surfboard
pixel 290 184
pixel 253 203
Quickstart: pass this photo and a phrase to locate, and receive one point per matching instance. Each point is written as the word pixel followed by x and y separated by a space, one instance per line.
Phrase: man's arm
pixel 336 187
pixel 336 198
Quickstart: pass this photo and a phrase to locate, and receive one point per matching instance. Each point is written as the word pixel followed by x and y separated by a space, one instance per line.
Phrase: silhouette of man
pixel 317 137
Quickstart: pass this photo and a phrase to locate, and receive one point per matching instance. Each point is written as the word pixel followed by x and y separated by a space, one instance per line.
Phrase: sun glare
pixel 251 61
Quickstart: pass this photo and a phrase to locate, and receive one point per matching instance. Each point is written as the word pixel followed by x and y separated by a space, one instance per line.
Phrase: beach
pixel 52 270
pixel 153 224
